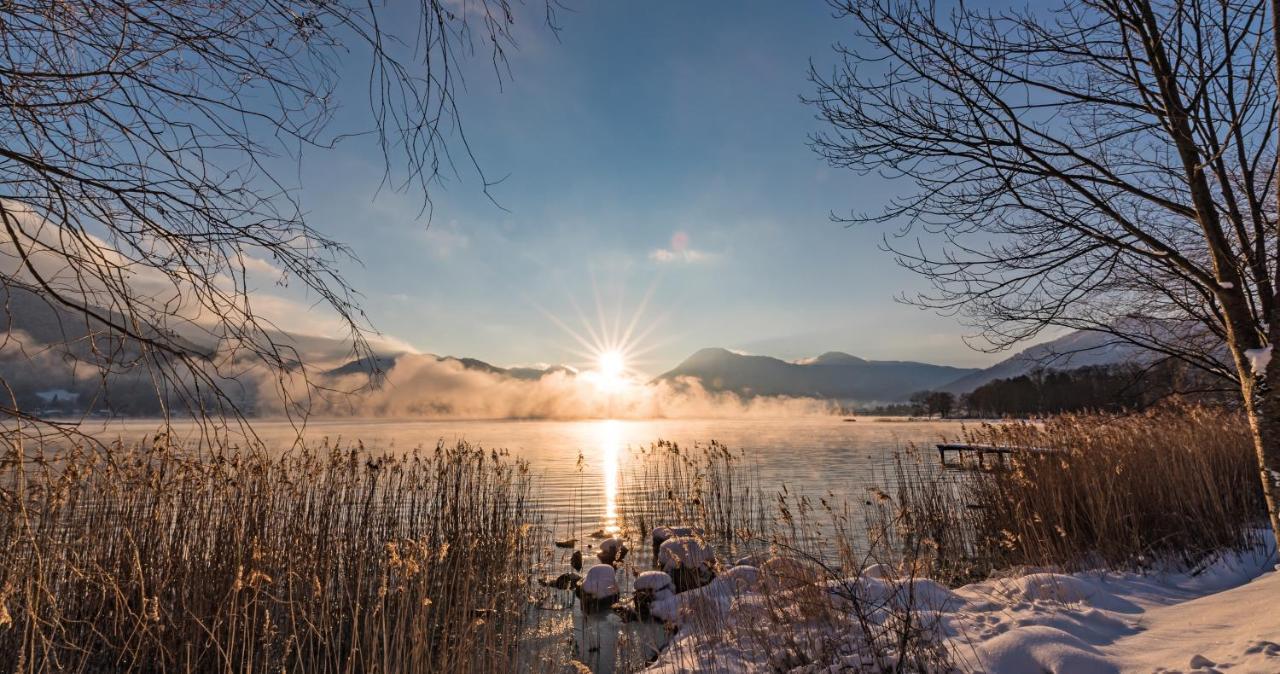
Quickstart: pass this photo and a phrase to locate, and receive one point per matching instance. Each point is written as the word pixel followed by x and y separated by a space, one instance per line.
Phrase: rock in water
pixel 575 560
pixel 688 560
pixel 599 589
pixel 612 551
pixel 658 537
pixel 661 534
pixel 651 586
pixel 564 581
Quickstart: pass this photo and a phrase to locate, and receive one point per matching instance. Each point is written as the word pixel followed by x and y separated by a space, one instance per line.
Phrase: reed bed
pixel 146 558
pixel 708 486
pixel 335 560
pixel 1171 486
pixel 790 590
pixel 856 582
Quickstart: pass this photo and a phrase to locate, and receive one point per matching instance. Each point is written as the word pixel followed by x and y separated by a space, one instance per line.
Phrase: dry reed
pixel 847 581
pixel 147 559
pixel 1171 486
pixel 144 559
pixel 805 604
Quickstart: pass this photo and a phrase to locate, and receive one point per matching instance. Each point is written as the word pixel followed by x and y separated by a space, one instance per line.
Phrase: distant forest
pixel 1052 391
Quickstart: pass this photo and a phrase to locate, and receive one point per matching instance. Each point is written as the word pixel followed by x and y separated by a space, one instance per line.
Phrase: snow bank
pixel 781 617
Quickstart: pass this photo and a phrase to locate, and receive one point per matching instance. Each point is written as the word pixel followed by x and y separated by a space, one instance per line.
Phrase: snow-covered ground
pixel 1225 618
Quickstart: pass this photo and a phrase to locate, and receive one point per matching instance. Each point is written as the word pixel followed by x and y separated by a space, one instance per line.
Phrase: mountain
pixel 384 363
pixel 1076 349
pixel 832 375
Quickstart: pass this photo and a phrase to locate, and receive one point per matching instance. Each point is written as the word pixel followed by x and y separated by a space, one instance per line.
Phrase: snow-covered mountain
pixel 833 375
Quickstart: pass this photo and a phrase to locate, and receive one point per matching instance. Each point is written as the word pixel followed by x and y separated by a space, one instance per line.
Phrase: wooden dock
pixel 1000 454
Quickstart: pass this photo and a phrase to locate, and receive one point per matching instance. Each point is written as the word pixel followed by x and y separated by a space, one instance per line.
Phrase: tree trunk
pixel 1263 408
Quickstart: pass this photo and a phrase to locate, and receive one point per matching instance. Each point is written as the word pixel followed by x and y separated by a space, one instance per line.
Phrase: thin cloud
pixel 679 251
pixel 445 240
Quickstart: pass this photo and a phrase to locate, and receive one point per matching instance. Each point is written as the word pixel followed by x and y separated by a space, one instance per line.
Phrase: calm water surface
pixel 582 465
pixel 812 454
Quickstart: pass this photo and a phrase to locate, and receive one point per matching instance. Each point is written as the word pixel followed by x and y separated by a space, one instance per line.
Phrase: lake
pixel 582 467
pixel 813 454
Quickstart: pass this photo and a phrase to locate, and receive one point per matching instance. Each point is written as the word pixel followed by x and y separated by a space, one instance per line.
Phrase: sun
pixel 611 364
pixel 612 348
pixel 611 370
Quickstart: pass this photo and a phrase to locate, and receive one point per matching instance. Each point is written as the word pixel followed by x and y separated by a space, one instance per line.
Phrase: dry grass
pixel 1175 485
pixel 146 559
pixel 707 486
pixel 849 583
pixel 141 559
pixel 808 605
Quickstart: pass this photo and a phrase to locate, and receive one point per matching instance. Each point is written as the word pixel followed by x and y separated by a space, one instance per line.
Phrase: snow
pixel 1222 618
pixel 1259 359
pixel 657 581
pixel 688 552
pixel 662 533
pixel 601 582
pixel 720 593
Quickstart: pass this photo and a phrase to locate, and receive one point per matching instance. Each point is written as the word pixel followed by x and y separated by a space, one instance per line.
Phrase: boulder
pixel 599 589
pixel 651 586
pixel 688 560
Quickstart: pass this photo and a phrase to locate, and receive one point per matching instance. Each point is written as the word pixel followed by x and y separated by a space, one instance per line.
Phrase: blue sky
pixel 655 148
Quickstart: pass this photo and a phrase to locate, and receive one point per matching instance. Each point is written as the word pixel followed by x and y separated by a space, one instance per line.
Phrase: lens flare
pixel 613 349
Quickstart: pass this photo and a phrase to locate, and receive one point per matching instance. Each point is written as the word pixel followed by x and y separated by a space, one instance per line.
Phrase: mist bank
pixel 425 386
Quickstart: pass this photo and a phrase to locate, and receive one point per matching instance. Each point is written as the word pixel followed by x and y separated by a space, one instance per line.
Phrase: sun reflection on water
pixel 609 441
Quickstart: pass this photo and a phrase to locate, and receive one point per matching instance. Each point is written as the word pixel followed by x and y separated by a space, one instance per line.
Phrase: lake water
pixel 811 454
pixel 581 466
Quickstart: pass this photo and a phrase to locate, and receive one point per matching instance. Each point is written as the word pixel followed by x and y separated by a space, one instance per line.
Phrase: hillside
pixel 1073 350
pixel 832 375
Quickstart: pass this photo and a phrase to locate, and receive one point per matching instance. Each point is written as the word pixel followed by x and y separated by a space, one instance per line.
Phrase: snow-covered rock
pixel 601 581
pixel 661 534
pixel 654 581
pixel 684 552
pixel 650 587
pixel 599 589
pixel 688 560
pixel 785 573
pixel 743 577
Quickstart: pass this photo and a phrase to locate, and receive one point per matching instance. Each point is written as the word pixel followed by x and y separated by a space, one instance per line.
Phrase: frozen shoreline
pixel 1223 618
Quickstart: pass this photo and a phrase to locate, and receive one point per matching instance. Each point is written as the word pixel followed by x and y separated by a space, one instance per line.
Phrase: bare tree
pixel 1105 165
pixel 141 146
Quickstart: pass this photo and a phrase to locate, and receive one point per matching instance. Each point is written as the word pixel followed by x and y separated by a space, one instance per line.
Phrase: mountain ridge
pixel 1075 349
pixel 831 375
